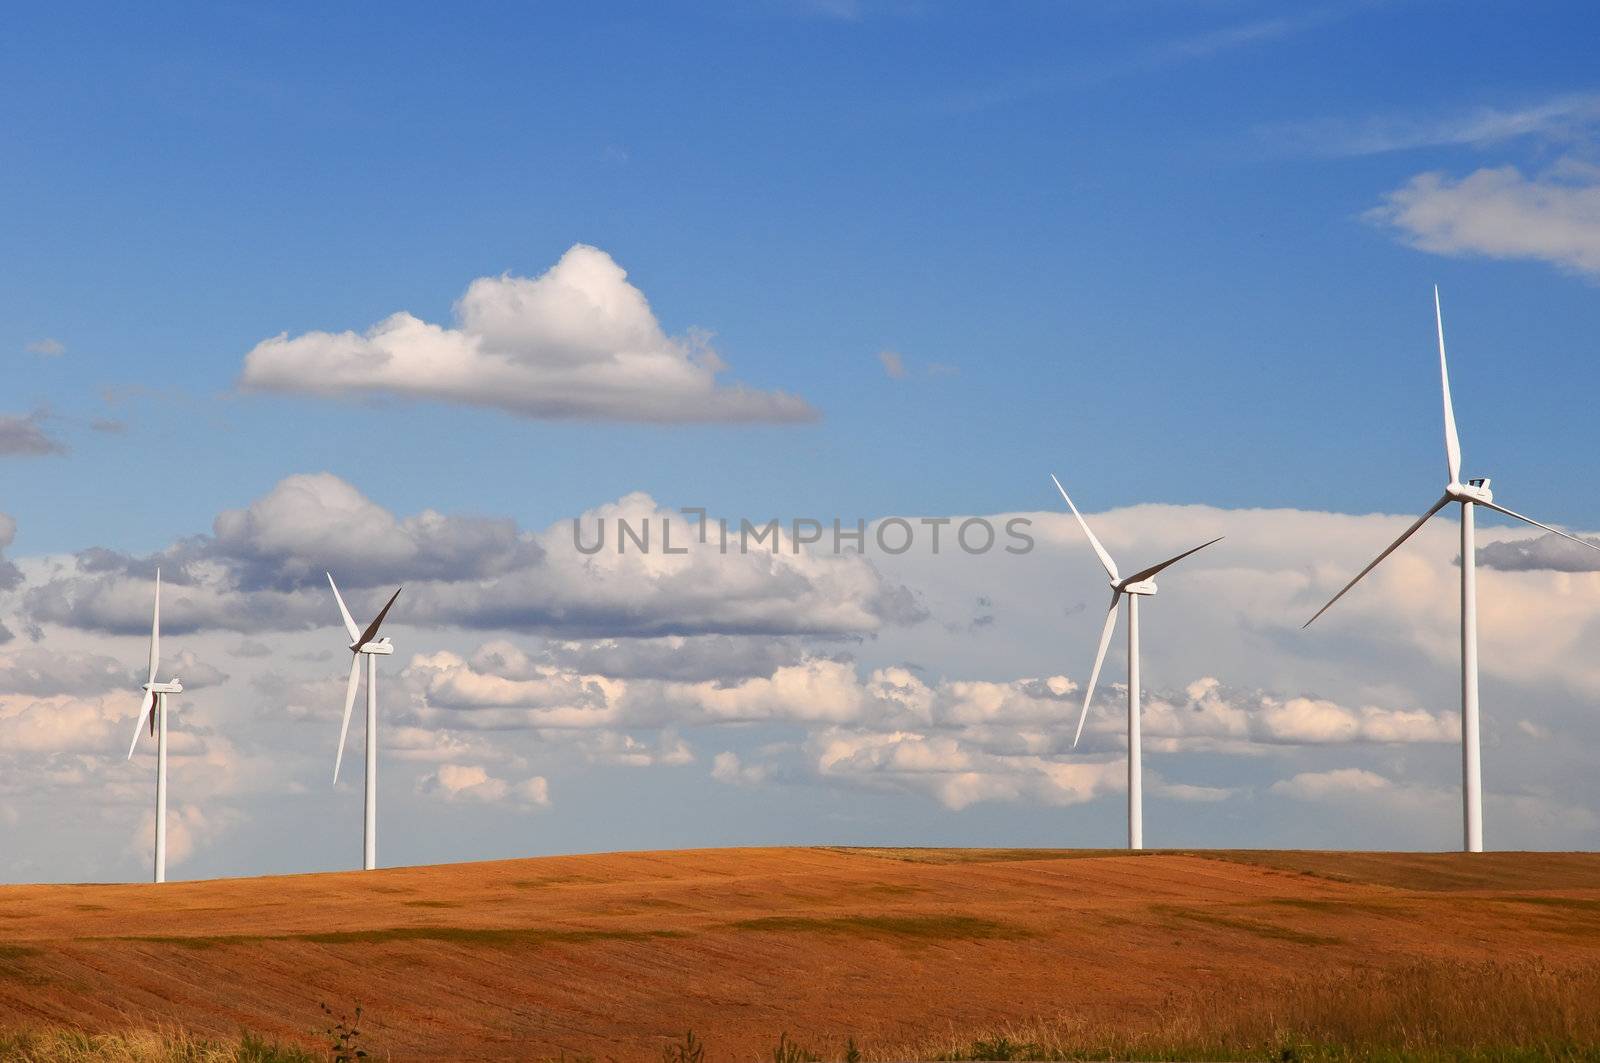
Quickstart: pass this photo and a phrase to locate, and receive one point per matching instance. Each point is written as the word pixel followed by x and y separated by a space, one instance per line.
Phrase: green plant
pixel 786 1051
pixel 1000 1048
pixel 343 1033
pixel 688 1050
pixel 852 1054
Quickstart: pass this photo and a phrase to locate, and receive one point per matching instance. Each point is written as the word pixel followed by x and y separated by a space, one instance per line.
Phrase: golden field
pixel 904 952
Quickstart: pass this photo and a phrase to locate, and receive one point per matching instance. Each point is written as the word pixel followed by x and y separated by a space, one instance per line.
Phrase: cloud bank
pixel 261 569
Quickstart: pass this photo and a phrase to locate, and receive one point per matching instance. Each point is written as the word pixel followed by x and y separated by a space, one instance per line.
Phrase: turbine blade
pixel 349 621
pixel 1099 659
pixel 138 726
pixel 1153 569
pixel 372 628
pixel 1437 506
pixel 1105 558
pixel 155 632
pixel 1452 441
pixel 349 702
pixel 1536 524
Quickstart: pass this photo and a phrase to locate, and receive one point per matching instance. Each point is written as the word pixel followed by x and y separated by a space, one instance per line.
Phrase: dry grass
pixel 1420 1013
pixel 141 1046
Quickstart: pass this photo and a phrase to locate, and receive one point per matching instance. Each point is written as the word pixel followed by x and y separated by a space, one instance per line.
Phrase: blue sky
pixel 1178 251
pixel 1094 214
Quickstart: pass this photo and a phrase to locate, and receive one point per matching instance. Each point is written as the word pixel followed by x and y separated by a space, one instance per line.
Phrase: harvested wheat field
pixel 907 952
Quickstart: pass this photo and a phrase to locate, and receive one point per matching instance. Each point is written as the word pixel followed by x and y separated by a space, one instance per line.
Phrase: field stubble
pixel 901 953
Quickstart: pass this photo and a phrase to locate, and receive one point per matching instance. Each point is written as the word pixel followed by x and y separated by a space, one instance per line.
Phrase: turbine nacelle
pixel 175 686
pixel 1143 586
pixel 1476 491
pixel 382 645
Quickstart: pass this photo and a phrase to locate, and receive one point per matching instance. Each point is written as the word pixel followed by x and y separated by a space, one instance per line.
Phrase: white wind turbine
pixel 154 706
pixel 1139 584
pixel 363 643
pixel 1472 493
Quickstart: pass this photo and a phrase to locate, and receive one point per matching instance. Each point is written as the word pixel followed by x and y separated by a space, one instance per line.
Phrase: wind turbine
pixel 1470 494
pixel 1134 587
pixel 154 706
pixel 363 643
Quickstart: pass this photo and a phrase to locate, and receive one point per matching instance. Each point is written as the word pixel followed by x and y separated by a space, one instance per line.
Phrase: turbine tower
pixel 363 643
pixel 1471 494
pixel 154 706
pixel 1134 587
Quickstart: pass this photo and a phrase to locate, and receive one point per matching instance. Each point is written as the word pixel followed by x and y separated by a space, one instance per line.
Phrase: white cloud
pixel 956 776
pixel 727 768
pixel 894 366
pixel 1208 711
pixel 1500 213
pixel 534 792
pixel 65 724
pixel 1564 119
pixel 49 348
pixel 473 783
pixel 1317 785
pixel 189 826
pixel 578 342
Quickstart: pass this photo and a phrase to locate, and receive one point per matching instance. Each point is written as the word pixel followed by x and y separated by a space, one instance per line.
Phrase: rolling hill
pixel 616 955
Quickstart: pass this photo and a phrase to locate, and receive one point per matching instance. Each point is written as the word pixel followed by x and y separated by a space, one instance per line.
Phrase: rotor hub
pixel 1475 490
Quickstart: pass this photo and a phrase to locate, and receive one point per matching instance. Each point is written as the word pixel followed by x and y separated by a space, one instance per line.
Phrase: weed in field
pixel 688 1050
pixel 786 1051
pixel 343 1035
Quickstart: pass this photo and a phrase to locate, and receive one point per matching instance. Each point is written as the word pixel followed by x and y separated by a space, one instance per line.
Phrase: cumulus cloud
pixel 472 783
pixel 1316 785
pixel 677 657
pixel 1549 552
pixel 727 768
pixel 311 524
pixel 61 723
pixel 955 775
pixel 577 342
pixel 1222 718
pixel 189 826
pixel 23 435
pixel 501 687
pixel 959 741
pixel 1499 212
pixel 262 569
